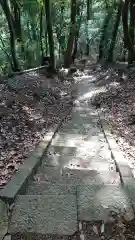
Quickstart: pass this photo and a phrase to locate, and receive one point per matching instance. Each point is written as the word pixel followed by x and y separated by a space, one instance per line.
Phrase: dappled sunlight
pixel 32 106
pixel 34 73
pixel 117 103
pixel 90 94
pixel 88 154
pixel 88 77
pixel 114 84
pixel 87 110
pixel 82 134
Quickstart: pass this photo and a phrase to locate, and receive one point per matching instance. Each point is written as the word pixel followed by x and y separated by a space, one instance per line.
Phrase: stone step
pixel 61 150
pixel 78 151
pixel 45 214
pixel 80 128
pixel 51 188
pixel 95 202
pixel 35 236
pixel 55 175
pixel 84 118
pixel 76 140
pixel 84 157
pixel 70 183
pixel 87 110
pixel 98 164
pixel 57 214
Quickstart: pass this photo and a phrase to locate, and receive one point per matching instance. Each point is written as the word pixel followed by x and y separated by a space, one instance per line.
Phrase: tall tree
pixel 115 32
pixel 89 8
pixel 59 26
pixel 50 32
pixel 127 39
pixel 41 31
pixel 71 38
pixel 79 20
pixel 132 29
pixel 6 9
pixel 16 17
pixel 104 32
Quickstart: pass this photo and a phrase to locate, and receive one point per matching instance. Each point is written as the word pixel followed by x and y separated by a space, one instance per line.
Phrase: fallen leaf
pixel 46 177
pixel 128 215
pixel 80 226
pixel 102 228
pixel 82 237
pixel 95 229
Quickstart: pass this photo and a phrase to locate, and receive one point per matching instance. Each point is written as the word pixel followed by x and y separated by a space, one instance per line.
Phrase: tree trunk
pixel 41 32
pixel 17 20
pixel 76 41
pixel 114 33
pixel 127 40
pixel 131 30
pixel 103 34
pixel 79 20
pixel 33 31
pixel 71 38
pixel 61 39
pixel 46 43
pixel 50 32
pixel 89 8
pixel 59 31
pixel 7 13
pixel 28 31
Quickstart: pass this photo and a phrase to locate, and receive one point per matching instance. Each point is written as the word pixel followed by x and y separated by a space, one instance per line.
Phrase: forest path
pixel 77 183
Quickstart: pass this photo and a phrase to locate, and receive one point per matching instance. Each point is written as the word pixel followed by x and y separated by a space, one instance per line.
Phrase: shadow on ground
pixel 114 94
pixel 30 105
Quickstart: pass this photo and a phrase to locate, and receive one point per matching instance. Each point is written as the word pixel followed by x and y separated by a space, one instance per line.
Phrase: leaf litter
pixel 30 105
pixel 117 101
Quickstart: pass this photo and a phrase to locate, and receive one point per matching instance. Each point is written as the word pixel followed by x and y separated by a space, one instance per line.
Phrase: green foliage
pixel 28 51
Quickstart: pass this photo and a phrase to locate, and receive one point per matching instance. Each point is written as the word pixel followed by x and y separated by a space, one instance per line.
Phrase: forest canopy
pixel 64 30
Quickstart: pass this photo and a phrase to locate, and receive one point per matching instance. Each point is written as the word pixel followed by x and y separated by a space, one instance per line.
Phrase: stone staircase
pixel 77 180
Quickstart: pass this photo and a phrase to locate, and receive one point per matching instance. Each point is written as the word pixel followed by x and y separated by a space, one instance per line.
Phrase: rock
pixel 128 215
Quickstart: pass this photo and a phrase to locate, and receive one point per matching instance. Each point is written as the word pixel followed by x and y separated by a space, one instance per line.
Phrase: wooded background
pixel 64 29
